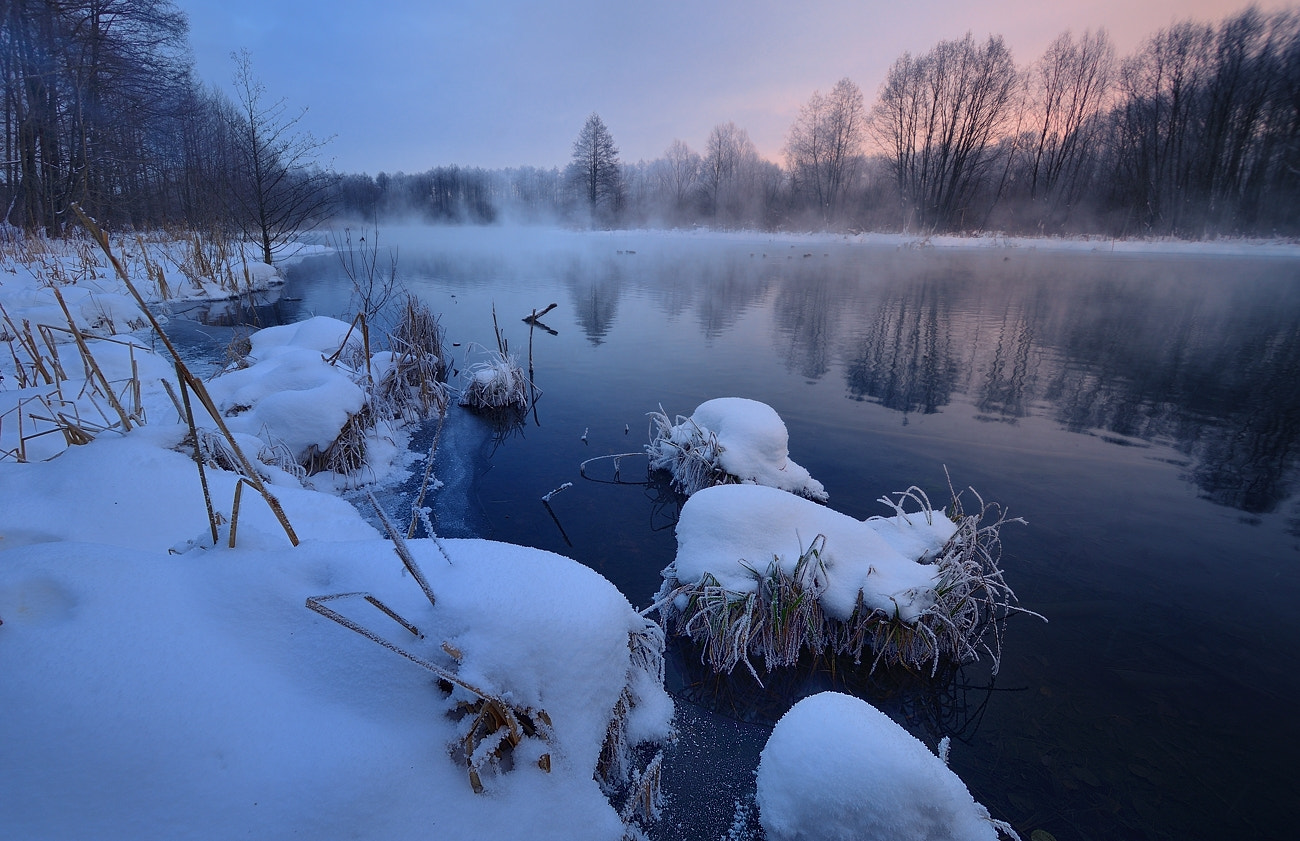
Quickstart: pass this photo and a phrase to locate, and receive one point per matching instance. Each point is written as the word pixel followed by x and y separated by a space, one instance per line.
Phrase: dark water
pixel 1142 413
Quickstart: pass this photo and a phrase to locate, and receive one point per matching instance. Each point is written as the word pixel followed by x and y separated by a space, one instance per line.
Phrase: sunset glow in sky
pixel 411 84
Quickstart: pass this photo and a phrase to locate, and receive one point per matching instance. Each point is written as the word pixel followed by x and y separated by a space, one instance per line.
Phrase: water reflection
pixel 805 314
pixel 1209 371
pixel 948 703
pixel 1200 355
pixel 257 309
pixel 903 358
pixel 594 296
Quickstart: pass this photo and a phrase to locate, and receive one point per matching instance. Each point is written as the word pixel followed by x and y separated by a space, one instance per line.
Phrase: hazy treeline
pixel 1197 132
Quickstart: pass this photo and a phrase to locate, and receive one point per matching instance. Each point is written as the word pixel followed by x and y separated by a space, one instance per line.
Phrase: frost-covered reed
pixel 687 452
pixel 497 383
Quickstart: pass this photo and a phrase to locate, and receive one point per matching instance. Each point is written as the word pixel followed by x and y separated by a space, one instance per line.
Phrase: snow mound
pixel 732 532
pixel 837 769
pixel 729 440
pixel 293 395
pixel 197 698
pixel 320 333
pixel 763 573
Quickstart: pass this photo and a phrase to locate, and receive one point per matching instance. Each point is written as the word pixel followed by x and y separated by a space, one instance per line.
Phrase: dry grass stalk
pixel 346 454
pixel 93 371
pixel 624 773
pixel 781 617
pixel 35 365
pixel 493 726
pixel 415 386
pixel 195 384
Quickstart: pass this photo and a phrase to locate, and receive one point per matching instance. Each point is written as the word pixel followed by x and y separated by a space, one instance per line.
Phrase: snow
pixel 733 532
pixel 195 695
pixel 837 769
pixel 320 333
pixel 291 395
pixel 755 445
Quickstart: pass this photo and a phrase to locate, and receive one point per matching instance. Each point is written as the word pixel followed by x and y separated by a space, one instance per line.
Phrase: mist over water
pixel 1140 412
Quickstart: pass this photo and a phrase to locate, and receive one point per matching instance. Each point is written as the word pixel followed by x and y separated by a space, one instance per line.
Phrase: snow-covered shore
pixel 159 682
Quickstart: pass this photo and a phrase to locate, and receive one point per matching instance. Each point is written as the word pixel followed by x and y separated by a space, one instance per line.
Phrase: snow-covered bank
pixel 158 681
pixel 196 696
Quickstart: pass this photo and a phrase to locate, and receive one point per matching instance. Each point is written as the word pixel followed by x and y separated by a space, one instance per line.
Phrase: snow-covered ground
pixel 158 684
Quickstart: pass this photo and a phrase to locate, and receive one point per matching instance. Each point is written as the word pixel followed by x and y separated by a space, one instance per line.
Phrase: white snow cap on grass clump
pixel 496 383
pixel 729 439
pixel 837 769
pixel 763 573
pixel 731 532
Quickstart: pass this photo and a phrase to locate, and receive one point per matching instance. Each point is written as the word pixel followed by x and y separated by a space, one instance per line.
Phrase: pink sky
pixel 410 84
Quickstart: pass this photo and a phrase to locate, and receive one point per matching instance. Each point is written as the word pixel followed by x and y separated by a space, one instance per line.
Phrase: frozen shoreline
pixel 1164 246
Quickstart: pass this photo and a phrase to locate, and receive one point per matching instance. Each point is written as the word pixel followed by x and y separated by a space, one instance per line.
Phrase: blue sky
pixel 407 85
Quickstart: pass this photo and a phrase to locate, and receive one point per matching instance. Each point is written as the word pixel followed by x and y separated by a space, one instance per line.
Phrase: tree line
pixel 1197 132
pixel 101 109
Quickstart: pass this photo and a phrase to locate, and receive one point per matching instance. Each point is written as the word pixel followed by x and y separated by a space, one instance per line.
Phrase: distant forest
pixel 1196 134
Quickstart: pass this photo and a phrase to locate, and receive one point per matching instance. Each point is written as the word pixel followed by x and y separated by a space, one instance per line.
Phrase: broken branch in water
pixel 534 315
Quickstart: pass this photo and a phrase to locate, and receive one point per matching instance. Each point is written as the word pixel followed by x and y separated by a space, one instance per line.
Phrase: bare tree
pixel 682 173
pixel 824 148
pixel 91 89
pixel 280 187
pixel 594 173
pixel 1069 87
pixel 937 118
pixel 730 169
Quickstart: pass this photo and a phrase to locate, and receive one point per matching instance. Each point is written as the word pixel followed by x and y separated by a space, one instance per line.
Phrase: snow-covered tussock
pixel 316 390
pixel 873 780
pixel 766 574
pixel 725 441
pixel 496 383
